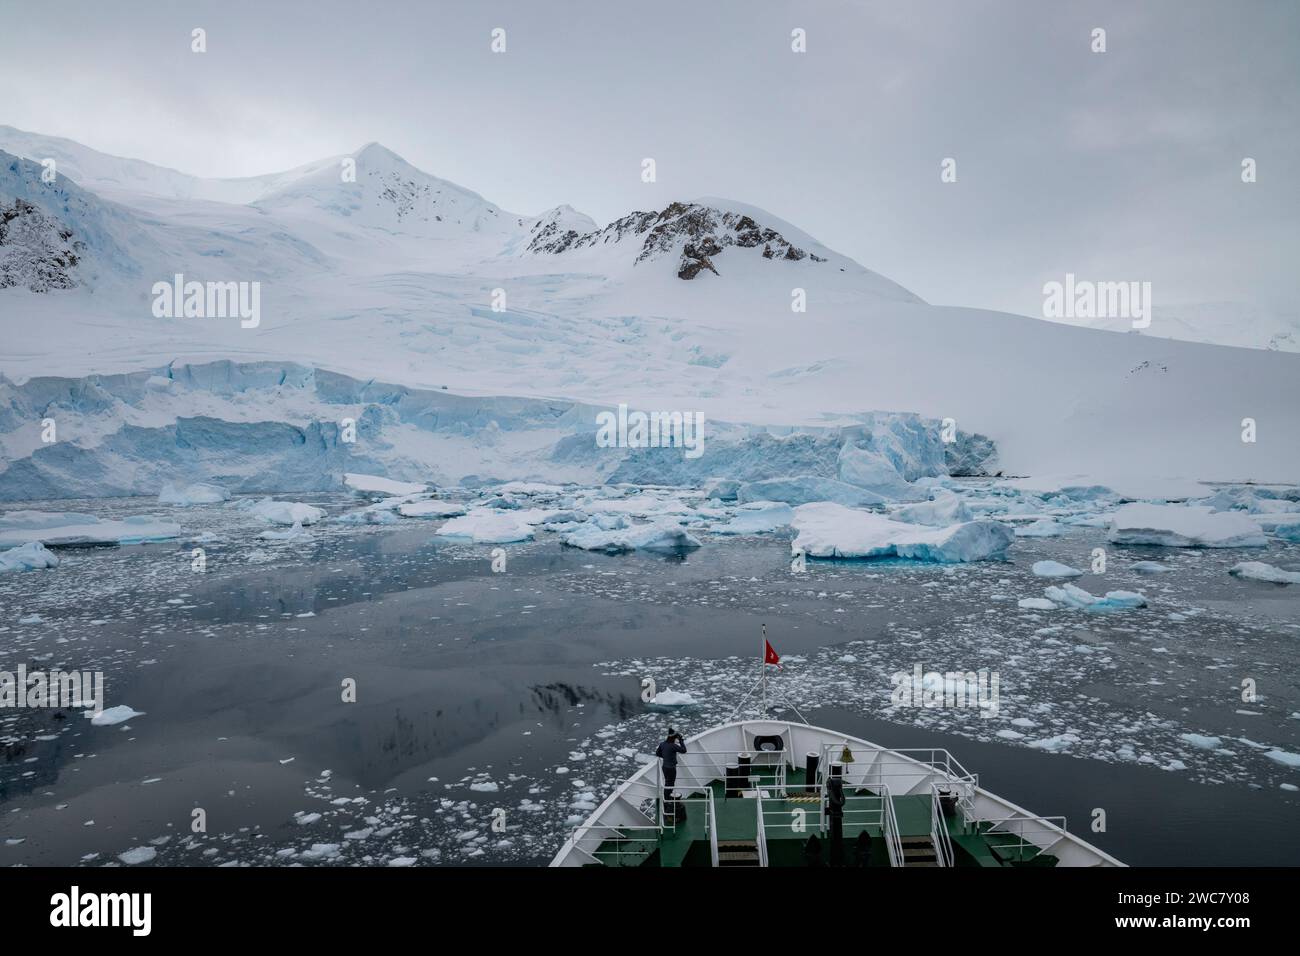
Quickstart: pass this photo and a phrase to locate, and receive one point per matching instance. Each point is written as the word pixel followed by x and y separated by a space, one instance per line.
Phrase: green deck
pixel 687 843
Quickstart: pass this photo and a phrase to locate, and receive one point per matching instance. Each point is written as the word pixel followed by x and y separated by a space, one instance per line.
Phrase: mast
pixel 762 663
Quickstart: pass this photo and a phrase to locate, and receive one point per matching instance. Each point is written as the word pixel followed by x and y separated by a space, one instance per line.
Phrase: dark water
pixel 526 683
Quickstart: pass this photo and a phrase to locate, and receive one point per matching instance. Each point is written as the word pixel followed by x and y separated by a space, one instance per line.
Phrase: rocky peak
pixel 696 232
pixel 37 251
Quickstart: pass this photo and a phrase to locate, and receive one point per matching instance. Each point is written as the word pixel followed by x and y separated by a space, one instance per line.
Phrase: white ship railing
pixel 893 842
pixel 710 824
pixel 939 826
pixel 1024 828
pixel 760 837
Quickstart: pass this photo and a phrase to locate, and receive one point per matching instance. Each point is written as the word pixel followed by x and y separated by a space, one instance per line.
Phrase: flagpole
pixel 762 662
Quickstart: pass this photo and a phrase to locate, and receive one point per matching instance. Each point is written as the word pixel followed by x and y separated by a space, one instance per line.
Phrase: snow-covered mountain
pixel 371 269
pixel 1239 324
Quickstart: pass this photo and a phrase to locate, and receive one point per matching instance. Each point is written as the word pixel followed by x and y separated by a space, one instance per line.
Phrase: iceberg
pixel 662 535
pixel 286 512
pixel 374 484
pixel 198 493
pixel 72 528
pixel 1055 569
pixel 430 508
pixel 1184 526
pixel 28 557
pixel 1071 595
pixel 757 518
pixel 828 530
pixel 488 526
pixel 1255 570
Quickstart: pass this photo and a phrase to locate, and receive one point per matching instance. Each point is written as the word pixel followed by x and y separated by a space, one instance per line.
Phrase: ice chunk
pixel 374 484
pixel 198 493
pixel 828 530
pixel 723 489
pixel 1258 571
pixel 673 698
pixel 1036 604
pixel 286 512
pixel 114 715
pixel 1071 595
pixel 1055 569
pixel 288 534
pixel 1202 741
pixel 488 526
pixel 72 528
pixel 758 518
pixel 661 535
pixel 430 508
pixel 140 854
pixel 1184 526
pixel 27 557
pixel 1149 567
pixel 806 488
pixel 1285 758
pixel 942 511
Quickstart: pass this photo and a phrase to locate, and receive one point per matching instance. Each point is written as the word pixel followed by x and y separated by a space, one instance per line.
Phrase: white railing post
pixel 712 824
pixel 761 831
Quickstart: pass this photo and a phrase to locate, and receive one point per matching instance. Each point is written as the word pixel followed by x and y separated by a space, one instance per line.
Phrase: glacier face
pixel 402 277
pixel 264 427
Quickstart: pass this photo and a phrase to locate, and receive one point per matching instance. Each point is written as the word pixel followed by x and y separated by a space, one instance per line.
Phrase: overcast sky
pixel 1121 165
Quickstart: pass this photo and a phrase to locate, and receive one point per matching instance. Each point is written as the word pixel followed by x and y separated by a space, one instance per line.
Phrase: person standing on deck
pixel 667 752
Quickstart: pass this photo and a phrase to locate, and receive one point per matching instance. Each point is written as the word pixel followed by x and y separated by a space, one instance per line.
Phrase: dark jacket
pixel 668 751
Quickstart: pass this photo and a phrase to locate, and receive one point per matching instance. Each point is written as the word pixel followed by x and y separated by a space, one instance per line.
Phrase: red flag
pixel 770 656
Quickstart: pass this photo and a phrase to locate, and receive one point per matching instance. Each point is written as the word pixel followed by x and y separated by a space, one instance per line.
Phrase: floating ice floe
pixel 757 518
pixel 374 484
pixel 140 854
pixel 1284 758
pixel 114 715
pixel 73 528
pixel 1036 604
pixel 1149 567
pixel 1284 526
pixel 31 556
pixel 430 508
pixel 288 534
pixel 1255 570
pixel 198 493
pixel 1055 569
pixel 1184 526
pixel 661 535
pixel 672 698
pixel 1201 741
pixel 286 512
pixel 828 530
pixel 486 526
pixel 1071 595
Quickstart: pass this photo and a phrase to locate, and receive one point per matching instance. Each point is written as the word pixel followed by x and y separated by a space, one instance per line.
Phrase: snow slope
pixel 394 278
